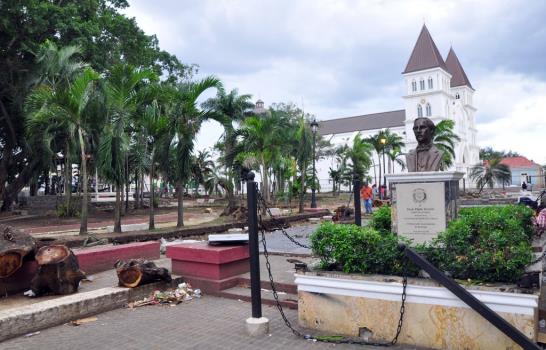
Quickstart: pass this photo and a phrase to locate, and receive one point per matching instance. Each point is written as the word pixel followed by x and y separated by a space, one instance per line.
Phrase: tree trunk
pixel 380 171
pixel 47 189
pixel 83 218
pixel 137 272
pixel 302 189
pixel 58 271
pixel 151 225
pixel 67 178
pixel 180 194
pixel 117 210
pixel 137 191
pixel 127 183
pixel 14 246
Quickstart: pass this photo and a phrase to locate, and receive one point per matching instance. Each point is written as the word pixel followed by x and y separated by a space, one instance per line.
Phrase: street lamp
pixel 383 141
pixel 314 127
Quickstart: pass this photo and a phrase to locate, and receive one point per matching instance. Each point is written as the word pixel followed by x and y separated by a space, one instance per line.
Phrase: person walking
pixel 366 197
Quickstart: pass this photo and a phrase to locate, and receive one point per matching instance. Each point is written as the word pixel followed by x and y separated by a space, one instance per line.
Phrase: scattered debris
pixel 137 272
pixel 92 241
pixel 29 293
pixel 31 334
pixel 208 210
pixel 83 321
pixel 182 293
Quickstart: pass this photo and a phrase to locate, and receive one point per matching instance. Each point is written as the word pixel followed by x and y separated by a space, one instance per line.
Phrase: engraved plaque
pixel 420 210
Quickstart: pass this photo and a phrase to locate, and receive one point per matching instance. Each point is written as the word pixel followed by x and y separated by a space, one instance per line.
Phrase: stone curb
pixel 50 313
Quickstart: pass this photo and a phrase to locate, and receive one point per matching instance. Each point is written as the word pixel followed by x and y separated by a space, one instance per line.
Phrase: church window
pixel 430 83
pixel 414 86
pixel 457 96
pixel 429 110
pixel 419 111
pixel 422 84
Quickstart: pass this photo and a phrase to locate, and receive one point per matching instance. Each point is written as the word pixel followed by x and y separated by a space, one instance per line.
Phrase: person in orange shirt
pixel 366 197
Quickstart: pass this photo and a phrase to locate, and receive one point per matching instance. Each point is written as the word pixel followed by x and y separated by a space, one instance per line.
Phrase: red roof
pixel 454 67
pixel 519 162
pixel 425 54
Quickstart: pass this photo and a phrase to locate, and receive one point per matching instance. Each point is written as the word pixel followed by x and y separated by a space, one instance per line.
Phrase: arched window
pixel 429 110
pixel 414 86
pixel 422 84
pixel 457 96
pixel 419 111
pixel 430 83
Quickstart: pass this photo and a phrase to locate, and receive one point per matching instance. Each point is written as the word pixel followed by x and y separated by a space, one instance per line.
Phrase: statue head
pixel 423 128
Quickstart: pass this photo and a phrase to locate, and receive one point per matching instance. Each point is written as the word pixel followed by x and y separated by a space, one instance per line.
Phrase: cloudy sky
pixel 339 58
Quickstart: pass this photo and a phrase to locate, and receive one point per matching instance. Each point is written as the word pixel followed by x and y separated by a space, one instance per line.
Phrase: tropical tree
pixel 445 139
pixel 122 102
pixel 490 172
pixel 360 154
pixel 202 168
pixel 185 120
pixel 303 153
pixel 68 106
pixel 155 125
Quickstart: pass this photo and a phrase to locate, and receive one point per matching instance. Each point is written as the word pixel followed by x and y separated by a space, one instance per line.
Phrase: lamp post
pixel 384 143
pixel 314 127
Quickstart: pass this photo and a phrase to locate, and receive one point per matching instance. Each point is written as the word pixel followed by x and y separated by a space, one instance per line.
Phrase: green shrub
pixel 489 244
pixel 485 243
pixel 67 211
pixel 381 220
pixel 351 248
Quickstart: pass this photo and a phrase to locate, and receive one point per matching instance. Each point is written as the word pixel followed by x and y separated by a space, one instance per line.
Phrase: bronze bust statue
pixel 426 157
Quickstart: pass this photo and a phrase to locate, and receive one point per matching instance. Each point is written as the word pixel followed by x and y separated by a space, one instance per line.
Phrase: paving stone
pixel 207 323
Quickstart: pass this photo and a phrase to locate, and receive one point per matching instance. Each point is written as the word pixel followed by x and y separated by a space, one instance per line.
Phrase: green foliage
pixel 446 140
pixel 490 244
pixel 381 220
pixel 490 172
pixel 67 211
pixel 351 248
pixel 485 243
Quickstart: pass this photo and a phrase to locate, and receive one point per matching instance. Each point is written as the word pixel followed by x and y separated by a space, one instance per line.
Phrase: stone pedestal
pixel 210 268
pixel 423 203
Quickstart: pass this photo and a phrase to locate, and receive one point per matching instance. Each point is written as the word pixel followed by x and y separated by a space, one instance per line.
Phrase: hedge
pixel 489 244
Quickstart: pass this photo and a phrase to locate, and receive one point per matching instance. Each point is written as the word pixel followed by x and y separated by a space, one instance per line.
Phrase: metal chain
pixel 322 339
pixel 539 258
pixel 278 222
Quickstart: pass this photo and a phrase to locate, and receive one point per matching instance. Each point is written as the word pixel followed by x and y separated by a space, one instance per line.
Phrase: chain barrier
pixel 332 340
pixel 539 258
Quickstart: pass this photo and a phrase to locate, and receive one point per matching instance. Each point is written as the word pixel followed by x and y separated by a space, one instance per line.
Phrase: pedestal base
pixel 257 326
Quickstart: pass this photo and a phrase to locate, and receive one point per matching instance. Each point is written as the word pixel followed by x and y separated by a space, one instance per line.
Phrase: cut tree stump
pixel 15 245
pixel 137 272
pixel 58 271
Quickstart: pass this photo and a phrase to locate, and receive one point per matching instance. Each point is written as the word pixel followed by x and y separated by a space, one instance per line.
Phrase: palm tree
pixel 202 168
pixel 445 139
pixel 155 126
pixel 55 68
pixel 122 102
pixel 360 155
pixel 185 122
pixel 303 154
pixel 68 107
pixel 490 172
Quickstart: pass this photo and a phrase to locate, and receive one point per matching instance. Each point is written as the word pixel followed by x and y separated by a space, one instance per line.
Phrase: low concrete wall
pixel 434 318
pixel 102 258
pixel 49 313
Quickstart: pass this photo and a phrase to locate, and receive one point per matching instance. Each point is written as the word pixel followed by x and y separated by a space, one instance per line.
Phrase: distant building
pixel 259 108
pixel 433 88
pixel 525 170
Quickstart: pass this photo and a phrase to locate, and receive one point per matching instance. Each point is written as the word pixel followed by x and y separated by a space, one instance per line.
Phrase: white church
pixel 435 88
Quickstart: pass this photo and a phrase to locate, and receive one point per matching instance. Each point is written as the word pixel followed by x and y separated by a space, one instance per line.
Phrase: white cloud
pixel 515 107
pixel 344 57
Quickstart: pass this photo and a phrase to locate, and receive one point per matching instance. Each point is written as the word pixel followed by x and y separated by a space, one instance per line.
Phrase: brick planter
pixel 210 268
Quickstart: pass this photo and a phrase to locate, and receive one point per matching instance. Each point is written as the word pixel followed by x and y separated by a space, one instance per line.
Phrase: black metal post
pixel 356 193
pixel 384 176
pixel 252 203
pixel 470 300
pixel 313 189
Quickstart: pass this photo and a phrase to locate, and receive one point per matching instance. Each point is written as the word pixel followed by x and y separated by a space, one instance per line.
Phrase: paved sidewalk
pixel 208 323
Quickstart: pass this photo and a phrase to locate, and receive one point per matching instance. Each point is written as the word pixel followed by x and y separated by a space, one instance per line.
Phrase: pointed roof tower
pixel 458 75
pixel 425 54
